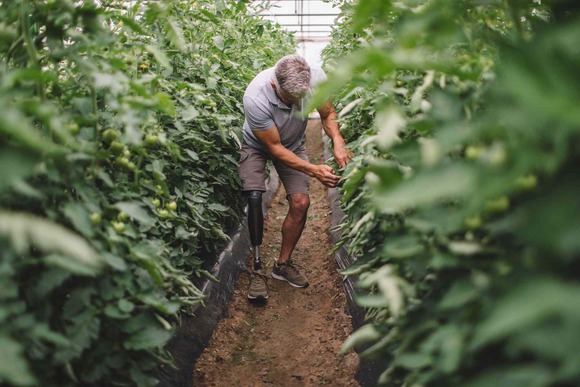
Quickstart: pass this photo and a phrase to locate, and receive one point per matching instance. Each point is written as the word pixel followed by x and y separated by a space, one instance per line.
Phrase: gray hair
pixel 292 75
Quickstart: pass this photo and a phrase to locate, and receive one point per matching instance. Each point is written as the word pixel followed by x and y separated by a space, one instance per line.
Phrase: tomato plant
pixel 459 202
pixel 109 109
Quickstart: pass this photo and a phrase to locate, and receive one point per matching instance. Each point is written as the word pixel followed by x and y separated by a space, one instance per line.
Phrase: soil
pixel 294 338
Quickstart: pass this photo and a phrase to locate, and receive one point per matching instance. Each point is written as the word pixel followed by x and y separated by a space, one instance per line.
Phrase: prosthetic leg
pixel 256 224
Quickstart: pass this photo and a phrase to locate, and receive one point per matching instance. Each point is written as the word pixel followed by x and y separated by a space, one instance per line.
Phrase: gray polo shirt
pixel 263 109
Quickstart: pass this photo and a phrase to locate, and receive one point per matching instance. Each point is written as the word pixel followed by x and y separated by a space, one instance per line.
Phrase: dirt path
pixel 294 339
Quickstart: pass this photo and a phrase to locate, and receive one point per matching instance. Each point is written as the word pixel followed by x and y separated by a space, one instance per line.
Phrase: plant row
pixel 119 131
pixel 462 200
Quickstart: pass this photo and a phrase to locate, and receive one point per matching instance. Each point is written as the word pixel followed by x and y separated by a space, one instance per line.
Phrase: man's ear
pixel 273 85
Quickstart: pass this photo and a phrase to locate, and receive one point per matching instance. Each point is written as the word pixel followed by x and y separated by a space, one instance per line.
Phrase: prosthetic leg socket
pixel 256 224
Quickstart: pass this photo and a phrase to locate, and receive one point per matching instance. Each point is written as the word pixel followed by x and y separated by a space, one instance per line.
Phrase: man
pixel 274 130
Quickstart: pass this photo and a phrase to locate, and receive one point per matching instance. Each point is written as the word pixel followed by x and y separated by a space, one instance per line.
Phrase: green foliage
pixel 118 145
pixel 461 203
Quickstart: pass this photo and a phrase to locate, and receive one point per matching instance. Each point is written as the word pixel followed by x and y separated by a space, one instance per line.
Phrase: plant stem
pixel 26 33
pixel 516 18
pixel 31 49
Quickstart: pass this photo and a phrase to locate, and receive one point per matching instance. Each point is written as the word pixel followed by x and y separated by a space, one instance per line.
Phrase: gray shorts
pixel 252 170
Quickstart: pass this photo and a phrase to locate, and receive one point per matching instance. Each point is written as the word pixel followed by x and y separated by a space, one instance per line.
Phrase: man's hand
pixel 271 139
pixel 325 174
pixel 342 154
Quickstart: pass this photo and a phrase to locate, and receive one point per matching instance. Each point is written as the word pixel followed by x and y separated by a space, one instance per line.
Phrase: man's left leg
pixel 292 227
pixel 293 224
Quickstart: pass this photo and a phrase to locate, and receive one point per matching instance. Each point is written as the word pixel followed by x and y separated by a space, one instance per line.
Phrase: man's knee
pixel 299 202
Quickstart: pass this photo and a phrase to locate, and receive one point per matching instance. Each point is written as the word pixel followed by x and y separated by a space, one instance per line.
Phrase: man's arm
pixel 271 140
pixel 328 116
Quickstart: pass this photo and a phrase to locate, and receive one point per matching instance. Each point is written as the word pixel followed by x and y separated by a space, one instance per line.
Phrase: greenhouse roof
pixel 311 20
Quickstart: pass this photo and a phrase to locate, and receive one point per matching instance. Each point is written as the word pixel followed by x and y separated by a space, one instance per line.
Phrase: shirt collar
pixel 273 98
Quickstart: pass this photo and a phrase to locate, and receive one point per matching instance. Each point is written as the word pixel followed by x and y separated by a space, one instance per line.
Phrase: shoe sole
pixel 281 278
pixel 257 297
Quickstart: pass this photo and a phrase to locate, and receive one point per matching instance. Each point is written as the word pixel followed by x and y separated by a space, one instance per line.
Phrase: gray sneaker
pixel 289 273
pixel 258 289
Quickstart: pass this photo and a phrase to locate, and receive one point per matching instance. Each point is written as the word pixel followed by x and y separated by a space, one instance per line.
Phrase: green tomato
pixel 118 226
pixel 498 205
pixel 473 152
pixel 164 214
pixel 122 161
pixel 7 36
pixel 473 222
pixel 498 156
pixel 156 202
pixel 527 182
pixel 117 147
pixel 110 135
pixel 172 206
pixel 95 218
pixel 151 139
pixel 122 216
pixel 73 128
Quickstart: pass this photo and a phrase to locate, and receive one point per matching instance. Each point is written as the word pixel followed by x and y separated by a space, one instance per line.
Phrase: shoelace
pixel 262 277
pixel 290 265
